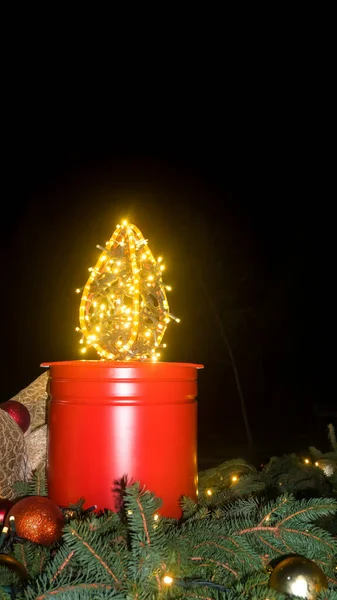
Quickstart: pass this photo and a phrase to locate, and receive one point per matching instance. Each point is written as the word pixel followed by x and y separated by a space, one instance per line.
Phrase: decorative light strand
pixel 124 310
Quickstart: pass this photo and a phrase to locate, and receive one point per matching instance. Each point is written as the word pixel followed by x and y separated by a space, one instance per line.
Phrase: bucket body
pixel 112 421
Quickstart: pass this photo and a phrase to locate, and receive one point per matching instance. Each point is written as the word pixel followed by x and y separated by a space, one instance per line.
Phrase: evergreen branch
pixel 41 481
pixel 219 564
pixel 26 554
pixel 111 521
pixel 64 564
pixel 197 596
pixel 311 536
pixel 322 508
pixel 105 566
pixel 267 517
pixel 141 511
pixel 241 507
pixel 278 532
pixel 315 452
pixel 276 550
pixel 35 486
pixel 219 546
pixel 20 554
pixel 224 471
pixel 68 589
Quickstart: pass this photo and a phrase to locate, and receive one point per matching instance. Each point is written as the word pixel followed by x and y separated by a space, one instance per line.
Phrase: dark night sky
pixel 264 253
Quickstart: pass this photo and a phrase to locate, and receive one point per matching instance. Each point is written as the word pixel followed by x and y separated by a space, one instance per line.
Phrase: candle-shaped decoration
pixel 124 310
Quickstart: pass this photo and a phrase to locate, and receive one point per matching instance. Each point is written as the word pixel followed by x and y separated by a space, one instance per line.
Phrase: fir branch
pixel 35 486
pixel 218 563
pixel 76 591
pixel 64 564
pixel 77 539
pixel 269 511
pixel 310 510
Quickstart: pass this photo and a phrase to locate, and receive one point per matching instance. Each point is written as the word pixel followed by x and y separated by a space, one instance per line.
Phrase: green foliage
pixel 126 555
pixel 223 546
pixel 285 474
pixel 36 486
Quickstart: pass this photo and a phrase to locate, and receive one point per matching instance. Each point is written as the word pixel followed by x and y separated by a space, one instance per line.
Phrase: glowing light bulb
pixel 168 580
pixel 234 478
pixel 209 492
pixel 307 461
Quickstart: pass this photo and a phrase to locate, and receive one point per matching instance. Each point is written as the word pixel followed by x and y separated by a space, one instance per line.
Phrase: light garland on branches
pixel 124 310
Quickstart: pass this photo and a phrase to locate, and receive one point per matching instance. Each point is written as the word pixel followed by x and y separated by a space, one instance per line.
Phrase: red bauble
pixel 5 506
pixel 38 519
pixel 19 412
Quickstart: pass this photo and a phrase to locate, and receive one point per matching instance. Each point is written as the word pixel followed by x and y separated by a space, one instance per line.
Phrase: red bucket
pixel 112 420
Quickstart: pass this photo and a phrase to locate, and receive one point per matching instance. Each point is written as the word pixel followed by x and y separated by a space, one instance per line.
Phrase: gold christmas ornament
pixel 14 565
pixel 298 576
pixel 124 310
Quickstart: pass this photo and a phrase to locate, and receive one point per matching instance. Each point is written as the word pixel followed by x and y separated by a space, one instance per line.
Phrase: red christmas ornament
pixel 38 519
pixel 19 412
pixel 5 506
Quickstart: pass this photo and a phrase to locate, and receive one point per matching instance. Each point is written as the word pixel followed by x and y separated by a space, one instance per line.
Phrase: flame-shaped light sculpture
pixel 124 310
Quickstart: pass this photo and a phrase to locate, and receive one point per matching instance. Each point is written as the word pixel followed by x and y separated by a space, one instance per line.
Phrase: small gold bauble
pixel 298 576
pixel 13 565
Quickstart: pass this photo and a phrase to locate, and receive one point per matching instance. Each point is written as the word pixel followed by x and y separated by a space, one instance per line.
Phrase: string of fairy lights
pixel 124 310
